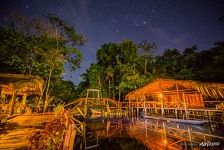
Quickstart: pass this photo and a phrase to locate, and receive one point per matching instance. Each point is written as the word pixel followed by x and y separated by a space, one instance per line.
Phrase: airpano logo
pixel 209 144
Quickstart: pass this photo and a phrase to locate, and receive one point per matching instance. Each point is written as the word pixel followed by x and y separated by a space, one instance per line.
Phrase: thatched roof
pixel 20 83
pixel 215 90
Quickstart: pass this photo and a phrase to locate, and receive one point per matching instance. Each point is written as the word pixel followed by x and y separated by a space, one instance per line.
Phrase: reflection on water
pixel 121 143
pixel 136 133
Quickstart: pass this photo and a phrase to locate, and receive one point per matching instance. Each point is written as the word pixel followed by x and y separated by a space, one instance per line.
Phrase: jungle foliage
pixel 122 67
pixel 42 46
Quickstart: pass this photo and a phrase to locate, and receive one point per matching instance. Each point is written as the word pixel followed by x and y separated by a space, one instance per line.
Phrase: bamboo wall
pixel 193 100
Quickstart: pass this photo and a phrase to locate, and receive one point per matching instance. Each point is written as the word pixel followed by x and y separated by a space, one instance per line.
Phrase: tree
pixel 113 62
pixel 130 79
pixel 16 51
pixel 64 91
pixel 109 76
pixel 210 64
pixel 40 47
pixel 188 61
pixel 168 64
pixel 106 59
pixel 147 49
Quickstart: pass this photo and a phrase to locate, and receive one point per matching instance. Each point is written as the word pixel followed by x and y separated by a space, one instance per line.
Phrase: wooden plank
pixel 72 138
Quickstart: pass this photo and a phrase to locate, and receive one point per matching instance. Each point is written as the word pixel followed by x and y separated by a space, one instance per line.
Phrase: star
pixel 160 19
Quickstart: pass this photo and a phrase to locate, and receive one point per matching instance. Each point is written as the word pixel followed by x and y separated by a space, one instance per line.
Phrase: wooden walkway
pixel 15 139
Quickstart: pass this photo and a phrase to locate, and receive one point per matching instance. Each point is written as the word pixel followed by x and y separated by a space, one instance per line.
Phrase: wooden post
pixel 137 107
pixel 132 112
pixel 146 132
pixel 86 107
pixel 162 107
pixel 129 106
pixel 161 98
pixel 178 96
pixel 185 107
pixel 145 106
pixel 176 113
pixel 13 100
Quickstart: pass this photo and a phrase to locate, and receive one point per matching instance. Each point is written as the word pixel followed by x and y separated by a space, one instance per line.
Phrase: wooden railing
pixel 73 127
pixel 152 104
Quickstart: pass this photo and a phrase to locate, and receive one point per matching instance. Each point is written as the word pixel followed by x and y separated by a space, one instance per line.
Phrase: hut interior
pixel 177 93
pixel 15 88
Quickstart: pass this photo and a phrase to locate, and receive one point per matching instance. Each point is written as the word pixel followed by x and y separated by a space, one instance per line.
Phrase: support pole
pixel 178 96
pixel 137 108
pixel 13 100
pixel 185 107
pixel 85 107
pixel 164 135
pixel 145 106
pixel 161 98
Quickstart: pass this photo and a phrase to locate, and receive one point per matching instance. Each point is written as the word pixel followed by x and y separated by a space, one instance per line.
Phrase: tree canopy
pixel 39 46
pixel 120 68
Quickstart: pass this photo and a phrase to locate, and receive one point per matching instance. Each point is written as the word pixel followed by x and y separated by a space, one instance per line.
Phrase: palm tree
pixel 147 51
pixel 109 76
pixel 106 57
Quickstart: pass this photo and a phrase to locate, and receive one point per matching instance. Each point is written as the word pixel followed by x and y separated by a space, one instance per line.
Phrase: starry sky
pixel 168 23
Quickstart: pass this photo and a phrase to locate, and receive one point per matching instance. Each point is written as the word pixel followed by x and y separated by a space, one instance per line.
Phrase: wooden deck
pixel 13 136
pixel 110 107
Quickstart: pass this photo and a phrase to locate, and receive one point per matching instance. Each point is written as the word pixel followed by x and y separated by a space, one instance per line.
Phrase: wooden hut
pixel 14 85
pixel 175 93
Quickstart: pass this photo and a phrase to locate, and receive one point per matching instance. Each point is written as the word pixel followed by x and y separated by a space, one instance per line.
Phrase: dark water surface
pixel 142 134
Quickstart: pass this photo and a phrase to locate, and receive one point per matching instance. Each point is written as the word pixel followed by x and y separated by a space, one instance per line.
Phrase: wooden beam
pixel 185 107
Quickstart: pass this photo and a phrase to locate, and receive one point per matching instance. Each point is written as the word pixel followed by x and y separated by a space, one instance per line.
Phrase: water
pixel 141 134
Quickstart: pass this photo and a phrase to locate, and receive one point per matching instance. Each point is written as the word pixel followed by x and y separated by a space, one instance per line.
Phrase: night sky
pixel 168 23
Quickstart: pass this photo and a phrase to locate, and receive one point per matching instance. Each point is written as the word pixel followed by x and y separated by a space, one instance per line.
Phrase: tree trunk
pixel 113 88
pixel 109 87
pixel 46 96
pixel 119 95
pixel 145 69
pixel 100 88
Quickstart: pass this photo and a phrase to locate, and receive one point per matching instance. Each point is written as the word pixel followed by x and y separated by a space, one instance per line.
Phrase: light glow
pixel 160 95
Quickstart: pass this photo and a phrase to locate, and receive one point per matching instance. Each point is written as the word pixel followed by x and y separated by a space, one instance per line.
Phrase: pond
pixel 141 134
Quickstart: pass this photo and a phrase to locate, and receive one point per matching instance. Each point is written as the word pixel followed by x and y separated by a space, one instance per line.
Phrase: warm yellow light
pixel 160 95
pixel 165 141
